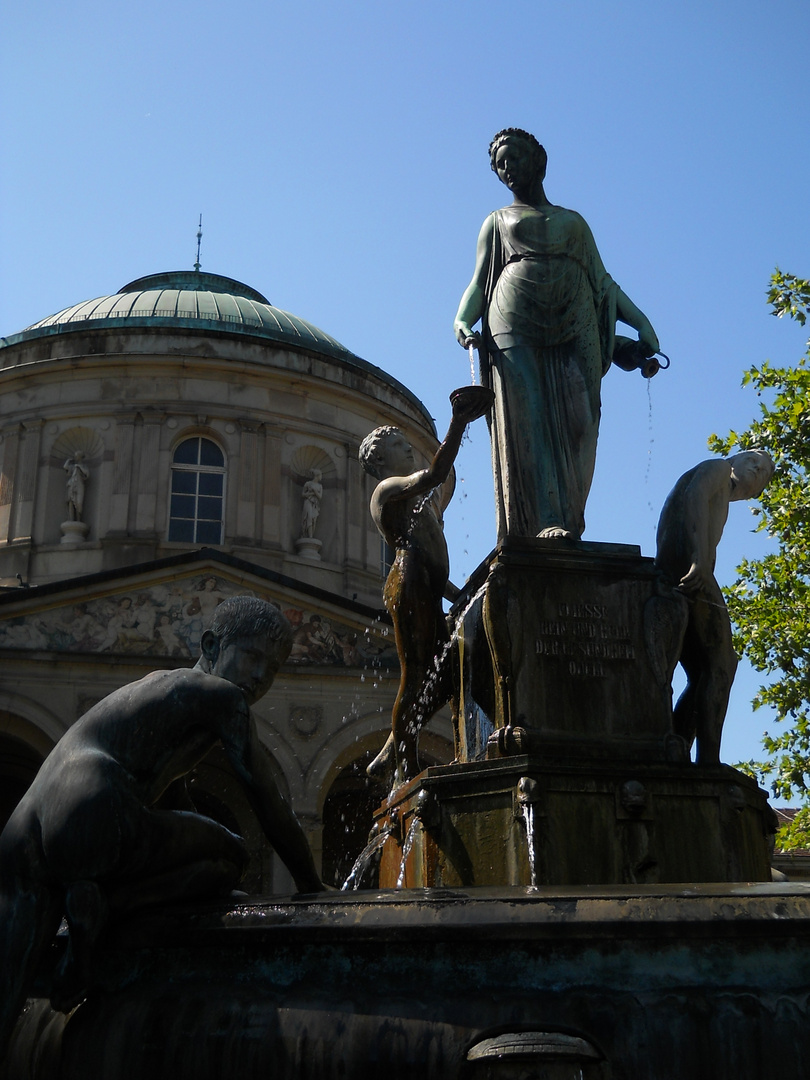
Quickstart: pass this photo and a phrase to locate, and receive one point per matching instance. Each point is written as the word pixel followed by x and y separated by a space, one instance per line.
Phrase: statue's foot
pixel 406 770
pixel 555 532
pixel 383 766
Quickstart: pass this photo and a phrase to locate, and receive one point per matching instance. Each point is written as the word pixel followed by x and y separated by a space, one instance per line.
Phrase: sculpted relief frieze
pixel 168 619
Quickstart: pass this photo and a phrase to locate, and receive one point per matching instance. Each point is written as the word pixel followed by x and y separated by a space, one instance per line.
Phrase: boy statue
pixel 89 839
pixel 689 531
pixel 408 520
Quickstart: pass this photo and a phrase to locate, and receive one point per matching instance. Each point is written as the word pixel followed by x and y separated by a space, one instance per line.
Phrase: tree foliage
pixel 769 603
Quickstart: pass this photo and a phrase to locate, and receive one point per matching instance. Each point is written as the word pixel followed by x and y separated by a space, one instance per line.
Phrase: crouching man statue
pixel 88 840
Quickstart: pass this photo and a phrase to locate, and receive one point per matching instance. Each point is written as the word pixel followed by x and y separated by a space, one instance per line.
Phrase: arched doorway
pixel 348 815
pixel 348 810
pixel 19 764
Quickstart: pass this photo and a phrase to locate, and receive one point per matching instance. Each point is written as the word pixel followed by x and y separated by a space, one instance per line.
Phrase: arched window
pixel 198 483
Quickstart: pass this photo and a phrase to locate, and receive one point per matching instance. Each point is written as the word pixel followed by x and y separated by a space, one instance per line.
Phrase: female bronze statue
pixel 548 309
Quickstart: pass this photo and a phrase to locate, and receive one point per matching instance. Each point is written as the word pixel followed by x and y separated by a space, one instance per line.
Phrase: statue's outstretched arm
pixel 471 307
pixel 424 480
pixel 627 311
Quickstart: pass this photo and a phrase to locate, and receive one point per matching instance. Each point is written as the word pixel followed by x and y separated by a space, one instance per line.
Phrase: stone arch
pixel 347 797
pixel 84 440
pixel 286 764
pixel 23 748
pixel 348 817
pixel 32 723
pixel 308 457
pixel 216 792
pixel 363 734
pixel 367 733
pixel 19 763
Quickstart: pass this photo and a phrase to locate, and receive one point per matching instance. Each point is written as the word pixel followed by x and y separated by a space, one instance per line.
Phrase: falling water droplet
pixel 652 440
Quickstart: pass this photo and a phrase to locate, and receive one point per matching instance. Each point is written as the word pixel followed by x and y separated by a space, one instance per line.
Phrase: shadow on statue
pixel 97 835
pixel 405 513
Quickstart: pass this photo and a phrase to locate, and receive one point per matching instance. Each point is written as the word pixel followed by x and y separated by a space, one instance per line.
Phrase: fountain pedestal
pixel 525 820
pixel 571 646
pixel 567 769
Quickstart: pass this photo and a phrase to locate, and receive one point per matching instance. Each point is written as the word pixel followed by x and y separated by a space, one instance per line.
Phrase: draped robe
pixel 549 321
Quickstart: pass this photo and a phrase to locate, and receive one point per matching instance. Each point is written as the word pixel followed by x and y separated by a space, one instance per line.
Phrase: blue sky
pixel 338 153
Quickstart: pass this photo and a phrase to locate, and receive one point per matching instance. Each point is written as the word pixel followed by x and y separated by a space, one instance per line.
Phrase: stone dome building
pixel 162 448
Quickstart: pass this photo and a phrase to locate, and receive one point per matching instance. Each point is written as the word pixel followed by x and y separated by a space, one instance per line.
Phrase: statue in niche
pixel 408 520
pixel 106 827
pixel 78 475
pixel 548 310
pixel 312 494
pixel 689 531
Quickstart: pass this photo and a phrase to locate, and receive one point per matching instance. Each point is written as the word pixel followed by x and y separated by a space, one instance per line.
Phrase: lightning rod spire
pixel 197 264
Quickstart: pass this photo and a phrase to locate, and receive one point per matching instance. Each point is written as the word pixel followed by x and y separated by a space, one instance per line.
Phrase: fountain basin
pixel 711 980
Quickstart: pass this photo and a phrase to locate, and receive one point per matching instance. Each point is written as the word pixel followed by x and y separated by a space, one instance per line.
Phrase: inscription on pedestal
pixel 586 637
pixel 558 649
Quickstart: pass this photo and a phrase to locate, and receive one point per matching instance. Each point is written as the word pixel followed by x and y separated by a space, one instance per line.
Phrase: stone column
pixel 248 487
pixel 118 511
pixel 270 509
pixel 11 450
pixel 22 509
pixel 146 487
pixel 355 528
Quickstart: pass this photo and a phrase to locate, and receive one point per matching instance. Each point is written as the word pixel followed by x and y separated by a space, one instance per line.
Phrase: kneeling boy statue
pixel 88 840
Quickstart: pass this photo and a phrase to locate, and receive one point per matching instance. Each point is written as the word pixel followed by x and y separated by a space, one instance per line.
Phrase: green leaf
pixel 769 603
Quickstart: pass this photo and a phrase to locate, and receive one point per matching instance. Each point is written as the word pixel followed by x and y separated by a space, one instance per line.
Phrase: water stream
pixel 362 860
pixel 438 660
pixel 406 850
pixel 652 440
pixel 527 809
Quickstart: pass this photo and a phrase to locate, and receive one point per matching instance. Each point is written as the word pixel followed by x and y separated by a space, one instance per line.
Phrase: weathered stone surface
pixel 564 641
pixel 523 820
pixel 682 983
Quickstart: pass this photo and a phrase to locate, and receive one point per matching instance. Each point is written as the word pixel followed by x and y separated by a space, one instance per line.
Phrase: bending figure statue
pixel 548 310
pixel 689 531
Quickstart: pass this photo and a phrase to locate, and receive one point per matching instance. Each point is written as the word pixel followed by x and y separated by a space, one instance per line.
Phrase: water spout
pixel 527 795
pixel 363 859
pixel 406 850
pixel 527 809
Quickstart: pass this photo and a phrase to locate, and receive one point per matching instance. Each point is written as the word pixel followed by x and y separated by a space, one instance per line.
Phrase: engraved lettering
pixel 586 669
pixel 582 636
pixel 582 611
pixel 615 650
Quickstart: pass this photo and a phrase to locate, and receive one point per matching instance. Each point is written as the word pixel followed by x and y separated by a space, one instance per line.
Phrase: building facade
pixel 162 448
